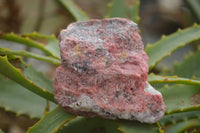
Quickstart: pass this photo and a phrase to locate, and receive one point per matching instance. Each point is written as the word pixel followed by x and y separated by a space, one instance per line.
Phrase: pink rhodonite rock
pixel 104 72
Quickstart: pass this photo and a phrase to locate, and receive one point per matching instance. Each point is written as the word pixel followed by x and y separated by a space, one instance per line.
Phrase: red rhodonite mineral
pixel 104 72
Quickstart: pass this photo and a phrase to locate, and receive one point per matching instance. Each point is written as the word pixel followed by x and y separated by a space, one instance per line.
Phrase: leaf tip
pixel 194 77
pixel 151 74
pixel 179 30
pixel 187 56
pixel 137 2
pixel 26 38
pixel 198 48
pixel 175 76
pixel 119 129
pixel 53 36
pixel 34 33
pixel 148 45
pixel 137 19
pixel 110 4
pixel 163 36
pixel 195 25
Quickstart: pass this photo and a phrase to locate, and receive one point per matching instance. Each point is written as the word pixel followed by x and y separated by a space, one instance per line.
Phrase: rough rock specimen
pixel 104 72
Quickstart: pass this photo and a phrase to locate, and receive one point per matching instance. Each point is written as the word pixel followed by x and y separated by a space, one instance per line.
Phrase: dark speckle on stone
pixel 117 94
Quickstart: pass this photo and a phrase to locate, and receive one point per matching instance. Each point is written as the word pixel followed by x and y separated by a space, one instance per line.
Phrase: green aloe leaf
pixel 50 42
pixel 31 55
pixel 168 44
pixel 125 9
pixel 194 7
pixel 178 117
pixel 188 126
pixel 172 79
pixel 78 14
pixel 181 98
pixel 51 122
pixel 90 125
pixel 50 49
pixel 188 68
pixel 136 127
pixel 17 70
pixel 17 99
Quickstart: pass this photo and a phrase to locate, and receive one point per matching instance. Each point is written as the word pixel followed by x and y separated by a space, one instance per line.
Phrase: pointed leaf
pixel 172 79
pixel 167 45
pixel 136 127
pixel 189 67
pixel 78 14
pixel 177 117
pixel 19 100
pixel 90 125
pixel 51 122
pixel 24 74
pixel 194 7
pixel 125 9
pixel 50 42
pixel 183 127
pixel 53 47
pixel 181 98
pixel 29 42
pixel 31 55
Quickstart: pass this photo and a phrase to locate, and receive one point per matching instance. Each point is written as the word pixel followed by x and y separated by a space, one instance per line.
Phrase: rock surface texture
pixel 104 71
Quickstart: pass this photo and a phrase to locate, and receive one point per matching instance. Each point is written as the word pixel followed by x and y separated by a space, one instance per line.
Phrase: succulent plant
pixel 24 90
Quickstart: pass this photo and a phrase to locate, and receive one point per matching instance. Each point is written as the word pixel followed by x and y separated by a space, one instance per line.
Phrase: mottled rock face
pixel 104 72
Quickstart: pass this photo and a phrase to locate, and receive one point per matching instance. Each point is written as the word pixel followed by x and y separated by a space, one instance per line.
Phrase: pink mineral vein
pixel 104 72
